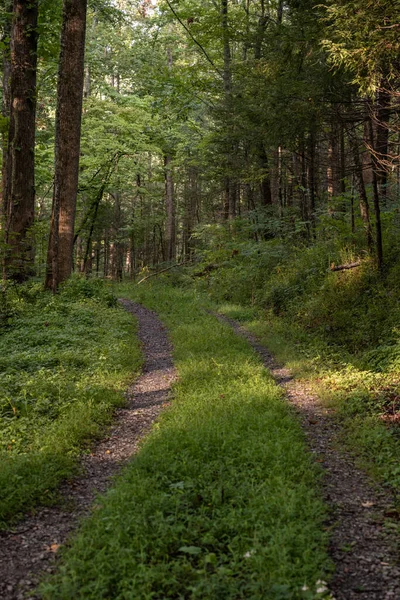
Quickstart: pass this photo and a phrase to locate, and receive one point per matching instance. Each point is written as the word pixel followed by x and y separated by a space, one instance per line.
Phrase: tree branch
pixel 186 262
pixel 345 267
pixel 194 39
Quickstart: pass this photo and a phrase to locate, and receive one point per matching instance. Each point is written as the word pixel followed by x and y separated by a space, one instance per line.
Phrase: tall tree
pixel 19 172
pixel 6 107
pixel 67 143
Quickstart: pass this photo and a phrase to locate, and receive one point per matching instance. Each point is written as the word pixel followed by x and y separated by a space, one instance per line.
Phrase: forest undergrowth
pixel 222 500
pixel 339 330
pixel 65 361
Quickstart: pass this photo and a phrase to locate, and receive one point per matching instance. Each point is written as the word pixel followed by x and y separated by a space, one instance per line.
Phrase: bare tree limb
pixel 186 262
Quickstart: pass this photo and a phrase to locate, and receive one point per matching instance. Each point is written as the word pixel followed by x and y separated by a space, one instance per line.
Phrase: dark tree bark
pixel 19 190
pixel 363 199
pixel 229 201
pixel 261 27
pixel 5 111
pixel 311 182
pixel 382 137
pixel 67 146
pixel 170 240
pixel 280 12
pixel 342 181
pixel 191 203
pixel 377 209
pixel 266 193
pixel 334 170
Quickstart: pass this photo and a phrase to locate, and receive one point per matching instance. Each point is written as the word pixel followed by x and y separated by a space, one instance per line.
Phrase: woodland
pixel 239 157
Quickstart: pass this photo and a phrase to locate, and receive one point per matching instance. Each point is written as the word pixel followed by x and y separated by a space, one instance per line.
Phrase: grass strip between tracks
pixel 222 501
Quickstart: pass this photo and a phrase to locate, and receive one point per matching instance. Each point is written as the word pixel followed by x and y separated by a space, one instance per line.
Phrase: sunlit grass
pixel 362 398
pixel 222 500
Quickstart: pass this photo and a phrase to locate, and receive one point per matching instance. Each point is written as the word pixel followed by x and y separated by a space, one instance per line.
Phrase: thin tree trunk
pixel 19 196
pixel 311 182
pixel 67 145
pixel 266 194
pixel 304 195
pixel 280 12
pixel 261 27
pixel 382 137
pixel 106 265
pixel 233 199
pixel 226 197
pixel 363 199
pixel 170 209
pixel 378 225
pixel 342 181
pixel 227 79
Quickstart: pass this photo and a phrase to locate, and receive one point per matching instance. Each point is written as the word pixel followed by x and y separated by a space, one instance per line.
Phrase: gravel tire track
pixel 29 550
pixel 365 555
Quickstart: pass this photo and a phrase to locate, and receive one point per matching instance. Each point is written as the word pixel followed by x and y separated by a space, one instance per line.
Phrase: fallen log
pixel 345 267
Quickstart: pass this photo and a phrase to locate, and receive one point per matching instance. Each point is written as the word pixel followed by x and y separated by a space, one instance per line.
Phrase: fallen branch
pixel 186 262
pixel 345 267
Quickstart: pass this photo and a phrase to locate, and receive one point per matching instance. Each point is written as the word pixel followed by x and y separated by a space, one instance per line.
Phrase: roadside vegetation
pixel 339 330
pixel 222 501
pixel 64 363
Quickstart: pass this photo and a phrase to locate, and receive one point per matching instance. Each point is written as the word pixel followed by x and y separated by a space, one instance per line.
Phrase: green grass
pixel 64 362
pixel 338 330
pixel 362 396
pixel 222 501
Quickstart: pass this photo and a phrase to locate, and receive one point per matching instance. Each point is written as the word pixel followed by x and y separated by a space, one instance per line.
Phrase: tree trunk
pixel 279 17
pixel 382 138
pixel 227 79
pixel 311 182
pixel 333 171
pixel 227 201
pixel 191 202
pixel 342 181
pixel 170 232
pixel 363 199
pixel 266 194
pixel 261 27
pixel 5 111
pixel 19 191
pixel 67 144
pixel 375 170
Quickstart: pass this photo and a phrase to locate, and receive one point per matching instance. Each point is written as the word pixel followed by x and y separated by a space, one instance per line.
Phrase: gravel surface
pixel 365 553
pixel 29 550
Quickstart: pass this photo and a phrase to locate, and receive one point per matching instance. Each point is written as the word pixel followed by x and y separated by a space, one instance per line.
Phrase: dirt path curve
pixel 29 549
pixel 367 564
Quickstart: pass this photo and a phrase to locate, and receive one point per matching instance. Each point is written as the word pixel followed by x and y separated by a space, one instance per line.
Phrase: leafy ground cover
pixel 222 500
pixel 339 330
pixel 64 362
pixel 366 401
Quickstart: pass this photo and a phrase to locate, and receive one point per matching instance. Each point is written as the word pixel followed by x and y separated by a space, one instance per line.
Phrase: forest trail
pixel 364 553
pixel 29 549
